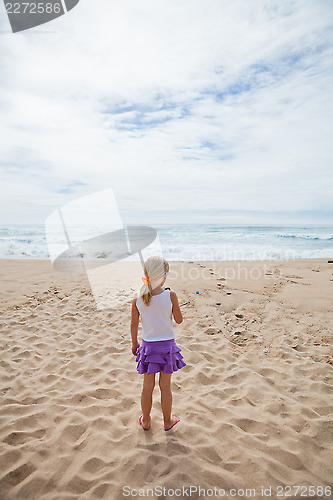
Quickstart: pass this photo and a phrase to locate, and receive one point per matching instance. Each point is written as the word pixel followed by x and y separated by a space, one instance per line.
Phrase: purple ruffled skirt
pixel 159 356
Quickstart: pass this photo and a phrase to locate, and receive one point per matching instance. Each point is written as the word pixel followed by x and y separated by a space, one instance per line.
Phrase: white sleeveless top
pixel 156 318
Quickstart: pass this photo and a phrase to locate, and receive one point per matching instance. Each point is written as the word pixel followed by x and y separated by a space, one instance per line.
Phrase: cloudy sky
pixel 190 110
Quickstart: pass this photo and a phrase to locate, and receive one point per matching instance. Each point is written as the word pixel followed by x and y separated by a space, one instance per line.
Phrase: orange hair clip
pixel 145 280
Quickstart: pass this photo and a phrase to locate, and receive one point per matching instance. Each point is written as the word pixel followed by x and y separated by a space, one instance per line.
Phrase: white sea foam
pixel 187 242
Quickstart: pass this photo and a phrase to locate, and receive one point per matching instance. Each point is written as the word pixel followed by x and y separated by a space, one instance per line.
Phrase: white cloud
pixel 178 106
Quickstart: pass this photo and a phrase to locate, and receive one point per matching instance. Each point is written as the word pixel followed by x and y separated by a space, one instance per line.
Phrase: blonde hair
pixel 154 268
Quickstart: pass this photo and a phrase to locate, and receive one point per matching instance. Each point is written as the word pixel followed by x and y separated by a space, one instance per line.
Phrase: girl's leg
pixel 166 399
pixel 147 397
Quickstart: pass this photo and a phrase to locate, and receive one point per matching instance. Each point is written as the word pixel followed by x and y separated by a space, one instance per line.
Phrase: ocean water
pixel 187 241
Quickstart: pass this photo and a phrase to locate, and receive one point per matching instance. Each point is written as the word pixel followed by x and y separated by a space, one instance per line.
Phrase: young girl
pixel 159 352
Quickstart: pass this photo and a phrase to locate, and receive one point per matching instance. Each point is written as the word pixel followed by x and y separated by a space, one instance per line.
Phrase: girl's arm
pixel 177 314
pixel 134 327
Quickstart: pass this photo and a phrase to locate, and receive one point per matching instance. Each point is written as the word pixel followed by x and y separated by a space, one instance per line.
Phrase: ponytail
pixel 145 293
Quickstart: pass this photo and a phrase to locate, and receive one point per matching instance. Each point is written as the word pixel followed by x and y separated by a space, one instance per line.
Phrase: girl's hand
pixel 135 348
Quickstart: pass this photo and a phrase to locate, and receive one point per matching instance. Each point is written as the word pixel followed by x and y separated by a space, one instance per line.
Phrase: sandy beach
pixel 255 399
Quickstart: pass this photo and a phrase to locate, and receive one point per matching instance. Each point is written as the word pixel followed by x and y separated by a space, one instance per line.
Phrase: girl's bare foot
pixel 173 421
pixel 145 424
